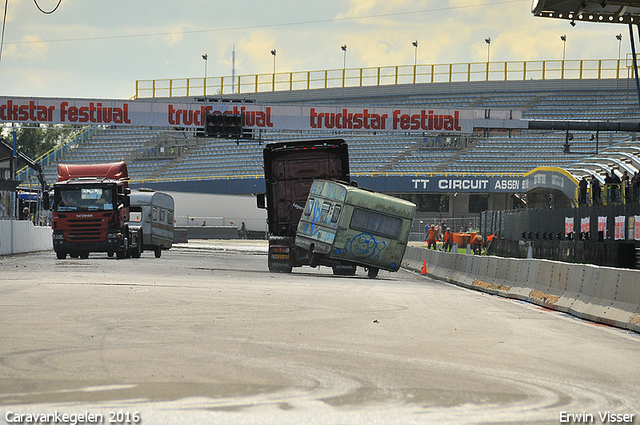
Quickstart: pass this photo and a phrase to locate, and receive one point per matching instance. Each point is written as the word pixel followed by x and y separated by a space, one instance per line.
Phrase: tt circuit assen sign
pixel 538 178
pixel 191 115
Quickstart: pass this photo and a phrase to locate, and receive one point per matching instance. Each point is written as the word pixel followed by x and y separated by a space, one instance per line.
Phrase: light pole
pixel 619 38
pixel 344 56
pixel 488 41
pixel 205 57
pixel 273 83
pixel 564 47
pixel 415 54
pixel 273 52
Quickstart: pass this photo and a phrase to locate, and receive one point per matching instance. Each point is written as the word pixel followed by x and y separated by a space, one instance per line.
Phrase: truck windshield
pixel 84 199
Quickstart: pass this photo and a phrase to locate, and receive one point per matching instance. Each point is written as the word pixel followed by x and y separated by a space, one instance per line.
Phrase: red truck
pixel 289 171
pixel 90 211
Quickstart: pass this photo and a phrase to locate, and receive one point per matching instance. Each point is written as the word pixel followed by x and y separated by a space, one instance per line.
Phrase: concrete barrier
pixel 18 236
pixel 212 232
pixel 180 234
pixel 600 294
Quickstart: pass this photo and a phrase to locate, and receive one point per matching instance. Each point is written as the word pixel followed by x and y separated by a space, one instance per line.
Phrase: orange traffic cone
pixel 424 267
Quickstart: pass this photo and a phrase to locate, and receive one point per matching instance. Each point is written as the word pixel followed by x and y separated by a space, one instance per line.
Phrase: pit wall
pixel 18 236
pixel 600 294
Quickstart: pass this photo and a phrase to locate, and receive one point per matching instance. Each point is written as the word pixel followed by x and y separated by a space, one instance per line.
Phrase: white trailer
pixel 153 212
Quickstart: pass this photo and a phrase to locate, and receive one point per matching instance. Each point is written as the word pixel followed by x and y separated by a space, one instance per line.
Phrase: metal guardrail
pixel 386 75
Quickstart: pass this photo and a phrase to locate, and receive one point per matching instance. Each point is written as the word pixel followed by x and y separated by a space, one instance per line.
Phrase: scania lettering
pixel 91 210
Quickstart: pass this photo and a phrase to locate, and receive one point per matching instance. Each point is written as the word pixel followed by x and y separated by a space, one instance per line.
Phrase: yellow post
pixel 308 80
pixel 256 84
pixel 291 81
pixel 469 72
pixel 524 71
pixel 137 90
pixel 361 77
pixel 153 89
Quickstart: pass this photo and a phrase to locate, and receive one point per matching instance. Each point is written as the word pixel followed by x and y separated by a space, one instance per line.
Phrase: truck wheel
pixel 84 255
pixel 121 253
pixel 157 251
pixel 110 254
pixel 135 251
pixel 61 255
pixel 373 272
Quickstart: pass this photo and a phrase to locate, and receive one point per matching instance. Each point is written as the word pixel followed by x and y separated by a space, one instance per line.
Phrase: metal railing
pixel 387 75
pixel 52 155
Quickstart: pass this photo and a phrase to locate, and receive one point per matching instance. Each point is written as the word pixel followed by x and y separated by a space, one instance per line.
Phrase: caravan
pixel 153 212
pixel 346 225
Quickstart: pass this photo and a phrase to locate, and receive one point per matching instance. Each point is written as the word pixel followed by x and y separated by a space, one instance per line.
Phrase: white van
pixel 153 212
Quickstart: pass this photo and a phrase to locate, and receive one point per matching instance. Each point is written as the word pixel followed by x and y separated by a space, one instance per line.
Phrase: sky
pixel 98 49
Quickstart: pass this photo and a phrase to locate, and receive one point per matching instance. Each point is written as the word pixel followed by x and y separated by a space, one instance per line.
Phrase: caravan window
pixel 373 222
pixel 336 214
pixel 154 214
pixel 309 206
pixel 162 216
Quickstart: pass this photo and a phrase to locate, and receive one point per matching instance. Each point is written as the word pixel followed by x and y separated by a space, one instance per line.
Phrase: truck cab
pixel 90 210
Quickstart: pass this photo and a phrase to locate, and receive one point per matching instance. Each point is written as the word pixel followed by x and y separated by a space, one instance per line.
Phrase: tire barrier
pixel 600 294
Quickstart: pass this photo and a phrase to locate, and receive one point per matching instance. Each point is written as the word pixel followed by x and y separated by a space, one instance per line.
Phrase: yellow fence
pixel 387 75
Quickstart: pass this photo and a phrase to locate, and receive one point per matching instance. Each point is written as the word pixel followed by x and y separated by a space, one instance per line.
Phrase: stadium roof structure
pixel 605 11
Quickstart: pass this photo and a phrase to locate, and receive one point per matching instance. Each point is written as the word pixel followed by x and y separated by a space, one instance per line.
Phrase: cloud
pixel 31 48
pixel 175 36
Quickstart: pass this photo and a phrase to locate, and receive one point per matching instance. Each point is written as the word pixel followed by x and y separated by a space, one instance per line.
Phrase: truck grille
pixel 87 230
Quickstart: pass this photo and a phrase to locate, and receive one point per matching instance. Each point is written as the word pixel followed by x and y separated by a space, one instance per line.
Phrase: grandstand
pixel 173 156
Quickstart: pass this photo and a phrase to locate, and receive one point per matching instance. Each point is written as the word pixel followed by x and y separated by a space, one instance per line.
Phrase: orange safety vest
pixel 448 237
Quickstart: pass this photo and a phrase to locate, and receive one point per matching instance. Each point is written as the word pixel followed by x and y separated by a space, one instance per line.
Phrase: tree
pixel 34 140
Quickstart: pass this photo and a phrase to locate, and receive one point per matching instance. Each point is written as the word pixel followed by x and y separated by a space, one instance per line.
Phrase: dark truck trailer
pixel 290 169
